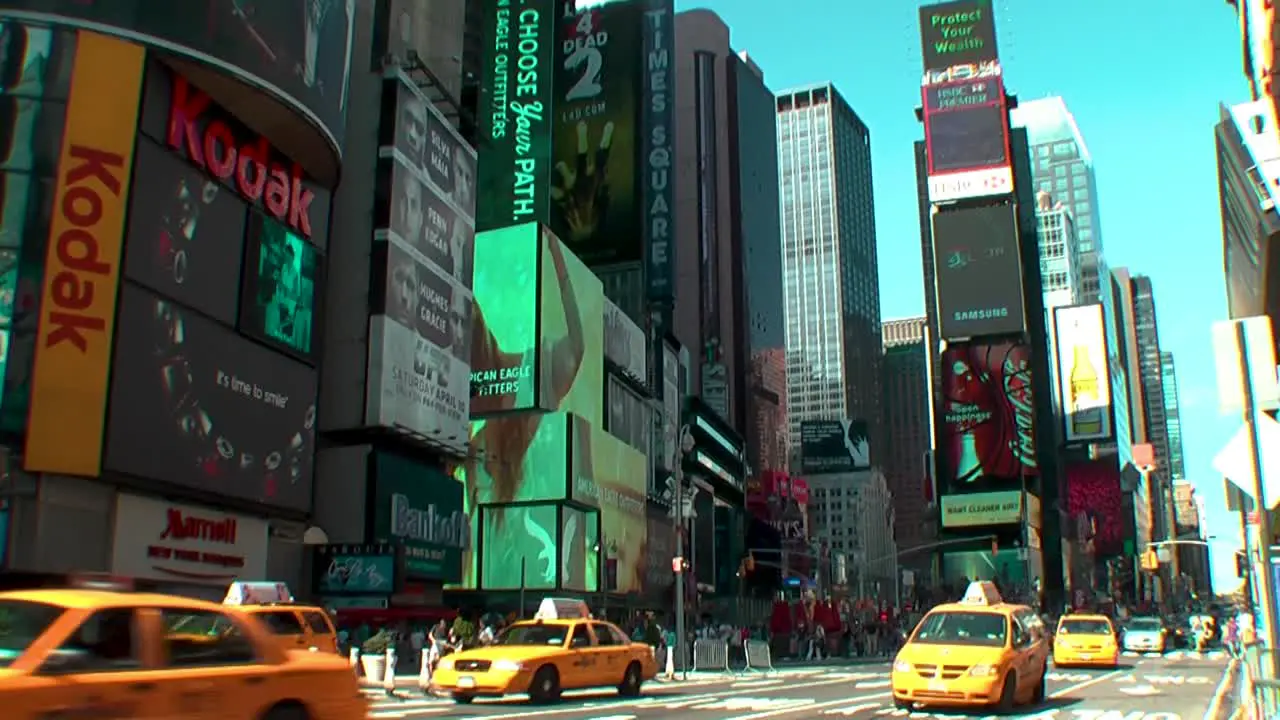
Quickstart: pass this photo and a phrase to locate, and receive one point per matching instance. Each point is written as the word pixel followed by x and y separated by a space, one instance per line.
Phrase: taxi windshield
pixel 196 623
pixel 533 635
pixel 21 622
pixel 1144 625
pixel 962 628
pixel 1085 627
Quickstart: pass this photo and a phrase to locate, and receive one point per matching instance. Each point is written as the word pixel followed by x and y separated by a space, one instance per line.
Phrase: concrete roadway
pixel 1179 686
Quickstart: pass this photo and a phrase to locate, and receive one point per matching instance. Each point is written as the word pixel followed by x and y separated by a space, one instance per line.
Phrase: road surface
pixel 1179 686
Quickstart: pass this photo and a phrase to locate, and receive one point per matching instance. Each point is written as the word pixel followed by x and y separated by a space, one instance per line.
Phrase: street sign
pixel 1260 358
pixel 1234 461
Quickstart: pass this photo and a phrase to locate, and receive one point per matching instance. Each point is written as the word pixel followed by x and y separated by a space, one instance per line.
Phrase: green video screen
pixel 580 548
pixel 572 347
pixel 280 289
pixel 505 323
pixel 612 476
pixel 520 540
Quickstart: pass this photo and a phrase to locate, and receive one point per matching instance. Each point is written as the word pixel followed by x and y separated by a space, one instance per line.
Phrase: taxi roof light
pixel 97 581
pixel 258 593
pixel 981 592
pixel 562 609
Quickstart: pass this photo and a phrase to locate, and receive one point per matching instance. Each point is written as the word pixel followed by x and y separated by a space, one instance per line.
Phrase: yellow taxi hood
pixel 517 653
pixel 317 658
pixel 931 654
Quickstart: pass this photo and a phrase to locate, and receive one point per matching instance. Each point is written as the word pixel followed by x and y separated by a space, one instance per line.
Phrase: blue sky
pixel 1144 82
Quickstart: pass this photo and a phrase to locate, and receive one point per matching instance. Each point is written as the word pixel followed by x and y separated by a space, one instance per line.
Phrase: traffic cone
pixel 389 675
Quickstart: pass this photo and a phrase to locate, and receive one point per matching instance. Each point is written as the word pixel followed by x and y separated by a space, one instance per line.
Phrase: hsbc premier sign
pixel 249 165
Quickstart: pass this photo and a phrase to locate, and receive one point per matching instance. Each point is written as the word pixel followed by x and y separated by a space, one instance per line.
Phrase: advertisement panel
pixel 956 33
pixel 1094 495
pixel 595 198
pixel 185 119
pixel 782 504
pixel 980 509
pixel 514 174
pixel 504 349
pixel 431 203
pixel 660 547
pixel 299 53
pixel 1084 379
pixel 610 475
pixel 630 418
pixel 518 458
pixel 624 342
pixel 977 271
pixel 571 341
pixel 988 432
pixel 580 548
pixel 966 132
pixel 282 281
pixel 656 151
pixel 519 547
pixel 194 405
pixel 354 569
pixel 160 540
pixel 82 264
pixel 671 402
pixel 186 234
pixel 421 509
pixel 834 446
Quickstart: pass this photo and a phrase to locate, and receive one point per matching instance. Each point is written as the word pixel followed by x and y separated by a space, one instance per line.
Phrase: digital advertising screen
pixel 987 436
pixel 978 271
pixel 571 346
pixel 302 51
pixel 610 475
pixel 518 458
pixel 515 109
pixel 580 550
pixel 520 541
pixel 195 405
pixel 504 345
pixel 957 33
pixel 834 446
pixel 1084 377
pixel 981 509
pixel 1094 494
pixel 281 288
pixel 185 237
pixel 966 133
pixel 657 113
pixel 429 171
pixel 595 205
pixel 420 509
pixel 354 569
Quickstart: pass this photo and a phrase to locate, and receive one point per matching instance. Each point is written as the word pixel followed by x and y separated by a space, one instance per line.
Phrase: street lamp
pixel 686 447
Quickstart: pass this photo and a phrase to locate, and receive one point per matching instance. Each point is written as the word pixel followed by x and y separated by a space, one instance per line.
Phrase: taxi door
pixel 99 670
pixel 614 651
pixel 215 675
pixel 1027 645
pixel 584 659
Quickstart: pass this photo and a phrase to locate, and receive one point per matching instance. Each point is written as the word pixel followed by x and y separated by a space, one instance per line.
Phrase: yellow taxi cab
pixel 294 626
pixel 980 651
pixel 109 654
pixel 1085 640
pixel 562 648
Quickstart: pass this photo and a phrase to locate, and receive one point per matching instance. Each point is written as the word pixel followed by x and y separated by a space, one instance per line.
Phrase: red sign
pixel 190 527
pixel 246 165
pixel 800 490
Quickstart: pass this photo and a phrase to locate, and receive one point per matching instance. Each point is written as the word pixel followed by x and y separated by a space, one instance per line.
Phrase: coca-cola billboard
pixel 987 435
pixel 160 540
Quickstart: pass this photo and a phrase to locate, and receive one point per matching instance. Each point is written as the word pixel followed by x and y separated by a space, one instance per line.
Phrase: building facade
pixel 1193 559
pixel 1173 418
pixel 829 261
pixel 1128 361
pixel 852 513
pixel 1059 252
pixel 909 436
pixel 1151 377
pixel 1061 166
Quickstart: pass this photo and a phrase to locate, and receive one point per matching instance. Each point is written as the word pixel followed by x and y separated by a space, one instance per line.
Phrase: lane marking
pixel 1086 683
pixel 811 706
pixel 872 684
pixel 852 709
pixel 757 683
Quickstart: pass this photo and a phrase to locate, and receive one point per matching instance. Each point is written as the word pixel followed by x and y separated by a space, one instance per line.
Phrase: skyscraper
pixel 1173 421
pixel 829 261
pixel 908 433
pixel 1061 166
pixel 1059 252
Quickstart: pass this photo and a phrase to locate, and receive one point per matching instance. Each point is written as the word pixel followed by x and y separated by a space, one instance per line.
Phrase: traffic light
pixel 751 563
pixel 1242 565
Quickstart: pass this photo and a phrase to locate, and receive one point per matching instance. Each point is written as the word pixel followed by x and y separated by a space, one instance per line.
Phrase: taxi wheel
pixel 631 680
pixel 1038 696
pixel 1008 694
pixel 463 698
pixel 287 712
pixel 545 687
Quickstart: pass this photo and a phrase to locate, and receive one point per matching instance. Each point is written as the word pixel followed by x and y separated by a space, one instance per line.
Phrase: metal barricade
pixel 759 657
pixel 711 656
pixel 1259 685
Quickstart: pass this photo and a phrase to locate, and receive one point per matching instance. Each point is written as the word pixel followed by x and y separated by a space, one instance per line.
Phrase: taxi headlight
pixel 445 664
pixel 901 666
pixel 507 666
pixel 982 670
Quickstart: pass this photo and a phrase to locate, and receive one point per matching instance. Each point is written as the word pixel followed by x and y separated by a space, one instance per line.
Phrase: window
pixel 1084 627
pixel 318 623
pixel 606 635
pixel 105 642
pixel 963 628
pixel 21 624
pixel 581 638
pixel 281 622
pixel 532 635
pixel 203 638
